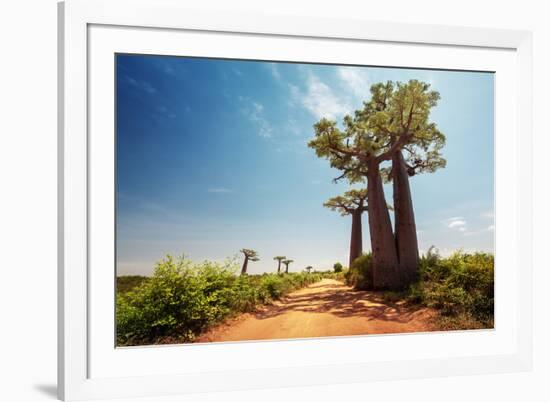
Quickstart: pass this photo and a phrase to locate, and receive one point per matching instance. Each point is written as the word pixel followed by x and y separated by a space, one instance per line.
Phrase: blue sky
pixel 212 157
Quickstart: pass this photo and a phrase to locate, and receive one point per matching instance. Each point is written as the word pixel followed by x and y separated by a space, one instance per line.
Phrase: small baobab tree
pixel 249 255
pixel 354 203
pixel 309 268
pixel 279 258
pixel 287 263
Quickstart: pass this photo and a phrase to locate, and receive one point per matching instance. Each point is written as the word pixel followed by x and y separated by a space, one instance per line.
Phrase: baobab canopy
pixel 349 202
pixel 395 118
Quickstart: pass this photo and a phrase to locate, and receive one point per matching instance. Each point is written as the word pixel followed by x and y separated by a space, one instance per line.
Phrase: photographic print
pixel 263 200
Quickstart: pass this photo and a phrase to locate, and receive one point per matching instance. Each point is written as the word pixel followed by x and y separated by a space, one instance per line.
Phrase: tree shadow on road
pixel 343 302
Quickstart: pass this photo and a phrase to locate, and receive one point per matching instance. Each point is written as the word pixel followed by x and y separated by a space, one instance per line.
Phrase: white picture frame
pixel 89 370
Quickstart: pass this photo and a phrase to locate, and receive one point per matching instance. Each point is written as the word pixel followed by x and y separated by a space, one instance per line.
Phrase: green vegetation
pixel 360 273
pixel 338 267
pixel 128 282
pixel 183 298
pixel 459 287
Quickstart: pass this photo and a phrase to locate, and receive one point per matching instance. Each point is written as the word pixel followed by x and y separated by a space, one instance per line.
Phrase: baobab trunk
pixel 245 265
pixel 279 267
pixel 406 240
pixel 385 264
pixel 356 242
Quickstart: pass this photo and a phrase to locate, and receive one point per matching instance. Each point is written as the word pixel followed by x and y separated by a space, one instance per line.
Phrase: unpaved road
pixel 326 308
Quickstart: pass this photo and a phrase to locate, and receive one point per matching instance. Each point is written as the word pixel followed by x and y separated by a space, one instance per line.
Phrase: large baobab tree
pixel 287 263
pixel 421 153
pixel 396 117
pixel 249 255
pixel 279 258
pixel 354 203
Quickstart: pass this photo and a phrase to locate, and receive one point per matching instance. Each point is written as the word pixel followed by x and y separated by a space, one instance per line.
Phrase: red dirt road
pixel 326 308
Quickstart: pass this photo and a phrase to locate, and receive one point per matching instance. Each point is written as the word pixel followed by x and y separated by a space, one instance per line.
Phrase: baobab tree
pixel 287 263
pixel 309 268
pixel 395 119
pixel 354 203
pixel 279 258
pixel 420 154
pixel 249 255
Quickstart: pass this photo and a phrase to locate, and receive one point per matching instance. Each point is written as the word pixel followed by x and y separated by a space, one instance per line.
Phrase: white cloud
pixel 356 80
pixel 255 113
pixel 219 190
pixel 455 222
pixel 319 99
pixel 141 85
pixel 488 215
pixel 491 228
pixel 274 70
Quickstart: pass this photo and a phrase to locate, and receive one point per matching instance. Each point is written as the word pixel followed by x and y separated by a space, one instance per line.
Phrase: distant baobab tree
pixel 309 268
pixel 279 258
pixel 354 203
pixel 249 255
pixel 287 263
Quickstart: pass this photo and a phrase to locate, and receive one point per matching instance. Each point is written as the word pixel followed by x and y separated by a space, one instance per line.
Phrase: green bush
pixel 359 274
pixel 461 285
pixel 182 299
pixel 338 267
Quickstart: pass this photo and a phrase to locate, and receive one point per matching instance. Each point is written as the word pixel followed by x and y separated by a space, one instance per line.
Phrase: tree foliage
pixel 251 255
pixel 352 200
pixel 395 118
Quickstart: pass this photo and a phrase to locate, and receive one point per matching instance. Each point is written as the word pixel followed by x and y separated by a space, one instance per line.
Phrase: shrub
pixel 359 274
pixel 338 267
pixel 182 299
pixel 461 285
